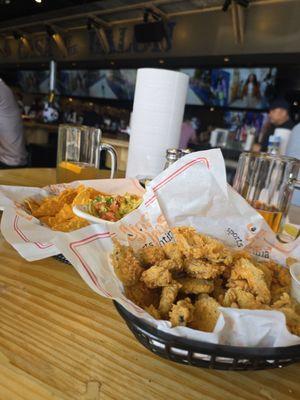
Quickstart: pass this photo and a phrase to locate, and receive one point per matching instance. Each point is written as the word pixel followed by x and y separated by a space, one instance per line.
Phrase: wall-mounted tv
pixel 251 88
pixel 73 83
pixel 245 88
pixel 112 84
pixel 34 81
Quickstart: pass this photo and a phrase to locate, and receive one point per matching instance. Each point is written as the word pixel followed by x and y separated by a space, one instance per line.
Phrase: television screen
pixel 231 87
pixel 236 121
pixel 73 83
pixel 34 81
pixel 199 90
pixel 251 87
pixel 112 84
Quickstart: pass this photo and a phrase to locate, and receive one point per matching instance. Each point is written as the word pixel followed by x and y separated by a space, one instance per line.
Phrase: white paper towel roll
pixel 156 120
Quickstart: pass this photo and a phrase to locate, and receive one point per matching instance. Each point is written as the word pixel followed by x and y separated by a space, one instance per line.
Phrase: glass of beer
pixel 78 153
pixel 267 182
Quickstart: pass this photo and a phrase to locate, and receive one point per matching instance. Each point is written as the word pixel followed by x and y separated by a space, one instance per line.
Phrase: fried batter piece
pixel 153 311
pixel 206 313
pixel 277 291
pixel 157 276
pixel 168 297
pixel 172 252
pixel 182 312
pixel 196 286
pixel 244 269
pixel 183 237
pixel 268 273
pixel 239 283
pixel 281 275
pixel 219 290
pixel 286 305
pixel 149 256
pixel 196 245
pixel 202 269
pixel 240 298
pixel 141 295
pixel 126 265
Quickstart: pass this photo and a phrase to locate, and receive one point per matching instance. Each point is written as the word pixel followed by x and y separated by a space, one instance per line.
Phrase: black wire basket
pixel 207 355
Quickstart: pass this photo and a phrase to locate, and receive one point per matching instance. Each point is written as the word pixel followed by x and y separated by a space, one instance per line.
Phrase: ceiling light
pixel 38 1
pixel 226 59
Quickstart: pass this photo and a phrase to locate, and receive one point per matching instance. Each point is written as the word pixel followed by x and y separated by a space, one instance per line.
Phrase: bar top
pixel 53 128
pixel 61 341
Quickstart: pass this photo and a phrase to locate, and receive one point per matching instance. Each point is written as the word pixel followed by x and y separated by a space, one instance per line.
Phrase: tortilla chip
pixel 49 207
pixel 70 225
pixel 84 196
pixel 64 214
pixel 49 221
pixel 31 205
pixel 67 196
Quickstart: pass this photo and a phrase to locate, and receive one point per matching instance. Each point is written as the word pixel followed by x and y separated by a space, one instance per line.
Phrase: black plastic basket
pixel 62 258
pixel 208 355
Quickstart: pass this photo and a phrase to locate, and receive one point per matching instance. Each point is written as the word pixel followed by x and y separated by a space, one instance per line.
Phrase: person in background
pixel 188 132
pixel 91 117
pixel 12 143
pixel 293 150
pixel 251 91
pixel 279 117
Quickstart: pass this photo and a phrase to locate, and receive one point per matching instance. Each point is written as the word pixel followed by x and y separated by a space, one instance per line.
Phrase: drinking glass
pixel 267 182
pixel 78 153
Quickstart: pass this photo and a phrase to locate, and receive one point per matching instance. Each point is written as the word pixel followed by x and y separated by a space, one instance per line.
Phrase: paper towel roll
pixel 156 120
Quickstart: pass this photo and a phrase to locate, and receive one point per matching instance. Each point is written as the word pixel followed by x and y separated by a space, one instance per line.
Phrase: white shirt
pixel 293 150
pixel 12 143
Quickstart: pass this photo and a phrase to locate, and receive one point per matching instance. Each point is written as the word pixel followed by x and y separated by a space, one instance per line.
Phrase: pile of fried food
pixel 186 282
pixel 56 211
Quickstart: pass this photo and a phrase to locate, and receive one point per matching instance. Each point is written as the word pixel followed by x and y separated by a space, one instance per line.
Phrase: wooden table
pixel 59 340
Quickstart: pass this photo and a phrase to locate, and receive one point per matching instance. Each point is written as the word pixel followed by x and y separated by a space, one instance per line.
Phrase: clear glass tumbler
pixel 267 182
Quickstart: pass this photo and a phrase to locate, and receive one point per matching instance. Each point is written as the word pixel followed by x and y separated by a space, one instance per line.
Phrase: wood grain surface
pixel 59 340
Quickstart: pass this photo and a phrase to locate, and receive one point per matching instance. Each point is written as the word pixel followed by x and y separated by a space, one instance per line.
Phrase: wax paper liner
pixel 25 233
pixel 192 192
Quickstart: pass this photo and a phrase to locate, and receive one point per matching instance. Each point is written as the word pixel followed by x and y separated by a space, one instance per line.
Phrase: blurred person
pixel 12 143
pixel 188 132
pixel 251 91
pixel 279 117
pixel 91 117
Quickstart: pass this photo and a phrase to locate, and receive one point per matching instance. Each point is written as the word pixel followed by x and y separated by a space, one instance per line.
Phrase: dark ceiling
pixel 10 9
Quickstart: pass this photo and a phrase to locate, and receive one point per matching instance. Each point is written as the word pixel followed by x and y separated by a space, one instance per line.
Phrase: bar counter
pixel 59 341
pixel 40 133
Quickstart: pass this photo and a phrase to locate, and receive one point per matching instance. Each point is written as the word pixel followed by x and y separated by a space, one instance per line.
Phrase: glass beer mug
pixel 78 153
pixel 267 182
